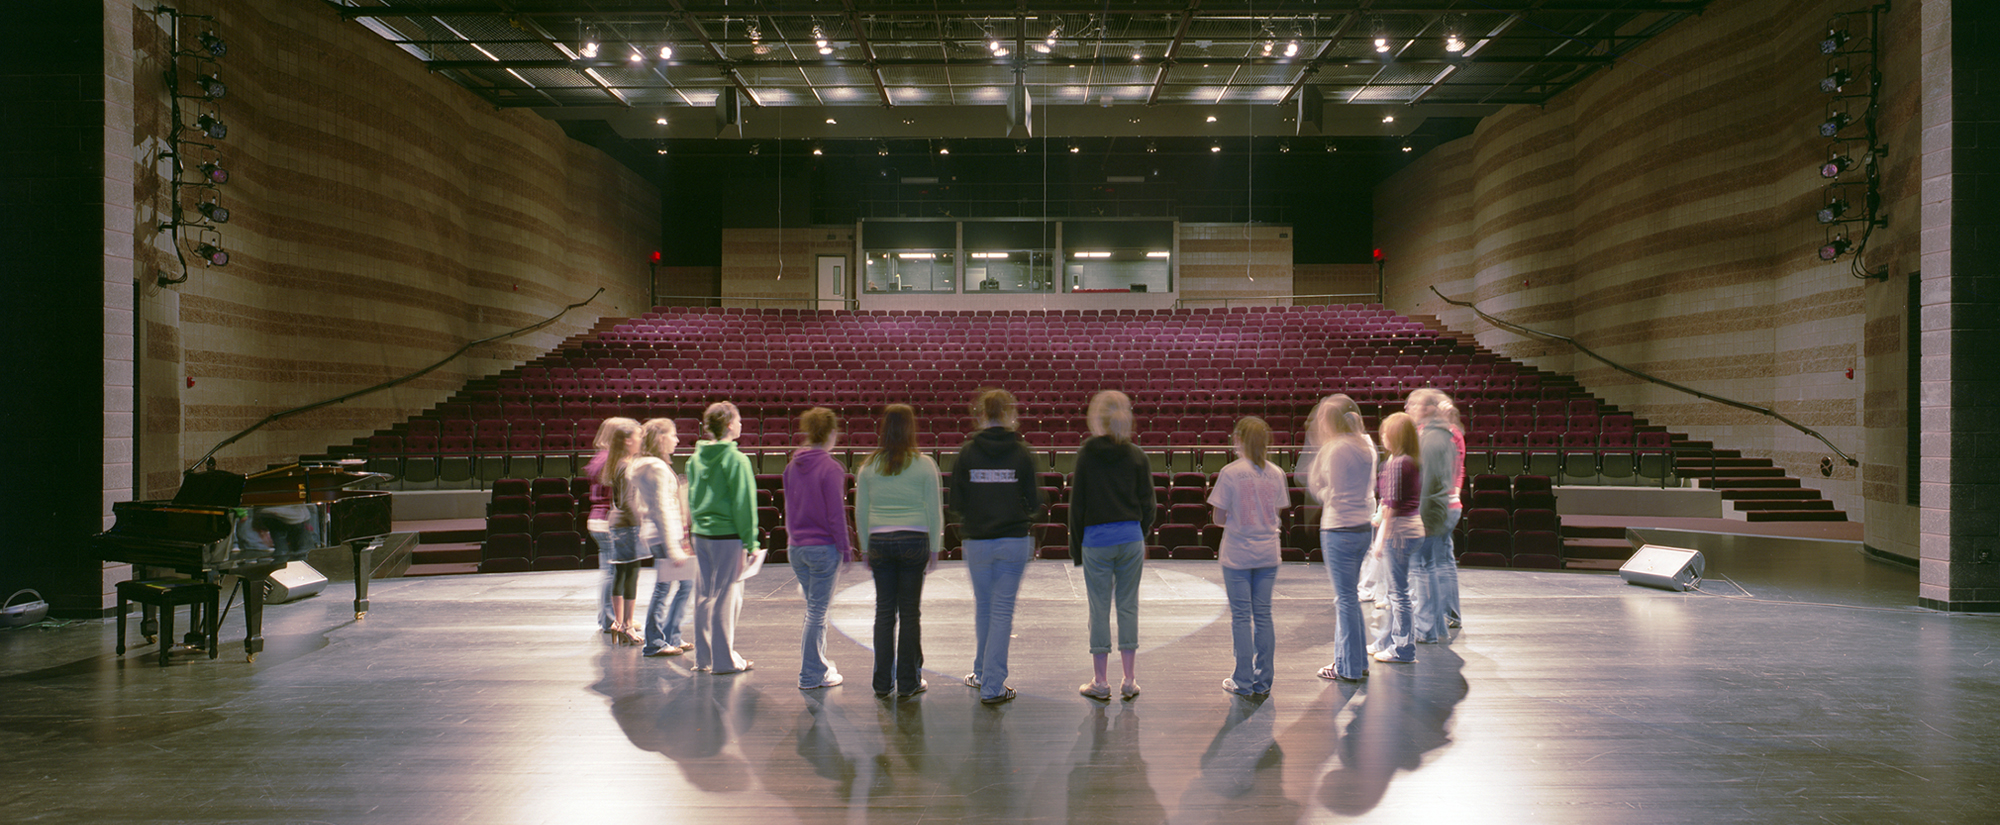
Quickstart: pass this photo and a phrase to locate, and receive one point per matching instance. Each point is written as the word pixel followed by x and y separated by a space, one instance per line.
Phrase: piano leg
pixel 363 566
pixel 254 587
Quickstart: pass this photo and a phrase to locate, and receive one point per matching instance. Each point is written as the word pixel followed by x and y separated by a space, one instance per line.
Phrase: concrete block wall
pixel 1661 213
pixel 381 219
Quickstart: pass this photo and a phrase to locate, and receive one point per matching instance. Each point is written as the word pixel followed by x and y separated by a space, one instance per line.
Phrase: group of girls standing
pixel 1405 508
pixel 637 502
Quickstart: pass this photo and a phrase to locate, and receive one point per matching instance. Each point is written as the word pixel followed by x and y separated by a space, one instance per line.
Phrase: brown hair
pixel 615 436
pixel 716 419
pixel 818 425
pixel 995 406
pixel 1254 437
pixel 1399 435
pixel 899 440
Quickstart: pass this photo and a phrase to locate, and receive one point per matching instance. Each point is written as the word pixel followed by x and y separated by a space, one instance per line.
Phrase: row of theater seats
pixel 538 525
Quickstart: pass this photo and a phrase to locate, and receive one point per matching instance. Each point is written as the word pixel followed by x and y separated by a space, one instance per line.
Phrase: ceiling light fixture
pixel 1834 248
pixel 590 45
pixel 660 120
pixel 1214 147
pixel 1832 83
pixel 211 87
pixel 1835 38
pixel 1835 165
pixel 1833 124
pixel 1832 210
pixel 1388 118
pixel 1292 48
pixel 1452 42
pixel 1381 36
pixel 666 52
pixel 214 212
pixel 214 173
pixel 213 45
pixel 212 126
pixel 817 150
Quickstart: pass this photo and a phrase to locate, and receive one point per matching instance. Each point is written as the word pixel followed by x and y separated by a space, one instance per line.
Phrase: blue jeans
pixel 817 566
pixel 1434 582
pixel 1250 625
pixel 605 618
pixel 898 561
pixel 995 567
pixel 1111 574
pixel 1395 636
pixel 718 597
pixel 1344 551
pixel 668 607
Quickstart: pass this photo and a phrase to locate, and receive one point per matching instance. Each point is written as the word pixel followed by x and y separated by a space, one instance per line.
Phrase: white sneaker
pixel 972 680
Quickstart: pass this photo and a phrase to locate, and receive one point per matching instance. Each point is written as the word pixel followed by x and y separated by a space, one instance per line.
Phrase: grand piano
pixel 222 523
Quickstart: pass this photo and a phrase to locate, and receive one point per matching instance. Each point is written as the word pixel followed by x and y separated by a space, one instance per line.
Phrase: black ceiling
pixel 920 69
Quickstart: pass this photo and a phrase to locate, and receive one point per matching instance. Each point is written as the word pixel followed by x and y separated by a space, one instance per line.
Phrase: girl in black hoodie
pixel 1110 512
pixel 994 491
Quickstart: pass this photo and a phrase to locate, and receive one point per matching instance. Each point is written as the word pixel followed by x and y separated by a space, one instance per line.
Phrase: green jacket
pixel 722 492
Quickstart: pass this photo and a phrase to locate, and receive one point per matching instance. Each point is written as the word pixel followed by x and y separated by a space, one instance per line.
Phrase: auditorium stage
pixel 1805 689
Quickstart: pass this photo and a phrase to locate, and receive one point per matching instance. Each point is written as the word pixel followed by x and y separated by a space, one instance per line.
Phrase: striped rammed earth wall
pixel 1661 213
pixel 381 219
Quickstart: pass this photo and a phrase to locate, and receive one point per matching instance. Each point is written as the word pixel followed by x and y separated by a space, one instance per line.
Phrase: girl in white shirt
pixel 1248 494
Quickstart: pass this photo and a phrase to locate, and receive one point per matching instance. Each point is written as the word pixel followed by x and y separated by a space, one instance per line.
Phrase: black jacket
pixel 1113 482
pixel 993 486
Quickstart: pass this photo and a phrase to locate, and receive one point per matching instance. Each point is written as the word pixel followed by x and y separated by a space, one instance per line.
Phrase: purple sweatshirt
pixel 816 502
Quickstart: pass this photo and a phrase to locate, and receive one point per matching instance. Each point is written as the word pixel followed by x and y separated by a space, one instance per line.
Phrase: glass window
pixel 911 270
pixel 1119 270
pixel 1013 270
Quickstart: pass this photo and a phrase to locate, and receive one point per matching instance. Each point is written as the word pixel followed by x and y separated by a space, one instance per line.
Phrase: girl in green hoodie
pixel 722 504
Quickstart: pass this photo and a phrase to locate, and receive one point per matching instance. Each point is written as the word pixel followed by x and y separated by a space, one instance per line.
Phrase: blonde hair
pixel 1399 435
pixel 818 425
pixel 716 419
pixel 1253 437
pixel 610 426
pixel 615 436
pixel 899 440
pixel 654 434
pixel 1438 402
pixel 1110 415
pixel 995 406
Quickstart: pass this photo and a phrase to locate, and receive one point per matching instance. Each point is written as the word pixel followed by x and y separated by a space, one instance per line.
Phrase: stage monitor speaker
pixel 728 113
pixel 1312 110
pixel 1672 568
pixel 1020 110
pixel 296 580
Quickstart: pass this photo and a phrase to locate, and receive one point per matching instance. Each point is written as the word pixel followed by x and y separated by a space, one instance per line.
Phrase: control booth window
pixel 1013 270
pixel 908 271
pixel 1126 269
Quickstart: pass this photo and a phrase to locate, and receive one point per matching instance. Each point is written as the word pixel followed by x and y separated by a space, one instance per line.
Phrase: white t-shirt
pixel 1348 500
pixel 1252 498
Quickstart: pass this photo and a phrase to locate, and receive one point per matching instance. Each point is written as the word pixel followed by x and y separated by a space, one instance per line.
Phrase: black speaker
pixel 1312 110
pixel 728 113
pixel 1671 568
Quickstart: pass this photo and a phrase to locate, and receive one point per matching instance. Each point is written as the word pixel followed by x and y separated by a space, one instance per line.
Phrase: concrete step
pixel 1747 483
pixel 1781 504
pixel 1619 549
pixel 1770 494
pixel 452 553
pixel 1795 515
pixel 451 569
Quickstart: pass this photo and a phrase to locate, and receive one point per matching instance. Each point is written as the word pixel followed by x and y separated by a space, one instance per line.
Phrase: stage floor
pixel 1805 689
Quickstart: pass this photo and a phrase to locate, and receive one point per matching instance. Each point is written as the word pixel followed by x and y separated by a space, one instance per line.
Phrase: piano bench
pixel 168 594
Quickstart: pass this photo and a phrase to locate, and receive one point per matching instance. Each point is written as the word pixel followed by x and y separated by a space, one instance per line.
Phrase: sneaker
pixel 1006 694
pixel 1451 621
pixel 1386 655
pixel 831 680
pixel 922 685
pixel 972 680
pixel 1128 690
pixel 1229 686
pixel 1095 690
pixel 665 651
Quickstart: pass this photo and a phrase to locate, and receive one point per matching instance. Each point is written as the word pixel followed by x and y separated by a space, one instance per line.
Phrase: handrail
pixel 387 384
pixel 1645 377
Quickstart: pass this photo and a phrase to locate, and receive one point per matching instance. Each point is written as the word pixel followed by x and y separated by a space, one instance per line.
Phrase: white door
pixel 832 282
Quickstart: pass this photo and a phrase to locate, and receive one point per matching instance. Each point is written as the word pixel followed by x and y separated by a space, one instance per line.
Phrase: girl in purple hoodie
pixel 816 523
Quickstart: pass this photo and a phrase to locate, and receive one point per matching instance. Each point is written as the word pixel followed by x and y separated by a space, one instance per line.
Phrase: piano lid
pixel 304 482
pixel 210 488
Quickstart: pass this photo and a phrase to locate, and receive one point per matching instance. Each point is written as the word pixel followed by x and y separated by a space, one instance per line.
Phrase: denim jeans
pixel 1344 551
pixel 1395 636
pixel 995 567
pixel 1111 574
pixel 1250 627
pixel 817 566
pixel 668 607
pixel 718 597
pixel 898 561
pixel 605 618
pixel 1434 582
